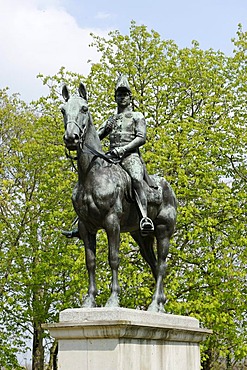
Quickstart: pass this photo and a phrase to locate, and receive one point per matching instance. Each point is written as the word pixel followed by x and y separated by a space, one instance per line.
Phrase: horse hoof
pixel 161 308
pixel 89 302
pixel 156 307
pixel 112 302
pixel 153 307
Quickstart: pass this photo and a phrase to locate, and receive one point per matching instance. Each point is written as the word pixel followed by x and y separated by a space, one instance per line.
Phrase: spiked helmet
pixel 123 84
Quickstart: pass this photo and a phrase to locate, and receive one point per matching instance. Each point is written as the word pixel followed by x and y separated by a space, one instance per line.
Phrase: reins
pixel 89 150
pixel 100 155
pixel 94 152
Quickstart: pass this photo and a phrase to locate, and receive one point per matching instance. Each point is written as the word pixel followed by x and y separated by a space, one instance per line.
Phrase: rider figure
pixel 127 133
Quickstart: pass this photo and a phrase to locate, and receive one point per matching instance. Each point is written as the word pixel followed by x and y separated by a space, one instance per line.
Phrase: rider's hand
pixel 118 152
pixel 109 124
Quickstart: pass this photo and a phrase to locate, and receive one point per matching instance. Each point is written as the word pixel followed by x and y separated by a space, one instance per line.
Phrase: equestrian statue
pixel 114 191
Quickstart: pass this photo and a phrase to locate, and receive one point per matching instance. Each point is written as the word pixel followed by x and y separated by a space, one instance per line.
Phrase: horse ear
pixel 82 91
pixel 65 93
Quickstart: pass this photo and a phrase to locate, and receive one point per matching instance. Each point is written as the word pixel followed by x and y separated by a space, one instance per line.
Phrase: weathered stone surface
pixel 125 339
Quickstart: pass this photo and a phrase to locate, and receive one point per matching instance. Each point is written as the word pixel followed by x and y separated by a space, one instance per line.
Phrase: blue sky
pixel 40 36
pixel 211 22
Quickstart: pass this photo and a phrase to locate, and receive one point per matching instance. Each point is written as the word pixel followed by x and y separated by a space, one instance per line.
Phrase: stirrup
pixel 146 226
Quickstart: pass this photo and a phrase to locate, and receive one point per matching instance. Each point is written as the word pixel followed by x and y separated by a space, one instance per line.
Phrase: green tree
pixel 194 102
pixel 37 265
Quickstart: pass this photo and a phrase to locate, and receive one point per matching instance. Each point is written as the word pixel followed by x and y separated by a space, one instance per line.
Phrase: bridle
pixel 81 139
pixel 89 149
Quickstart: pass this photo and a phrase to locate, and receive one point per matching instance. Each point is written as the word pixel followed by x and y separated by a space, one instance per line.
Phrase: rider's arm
pixel 140 133
pixel 134 144
pixel 140 136
pixel 105 129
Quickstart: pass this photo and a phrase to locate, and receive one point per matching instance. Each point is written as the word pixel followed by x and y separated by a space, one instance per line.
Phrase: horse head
pixel 76 117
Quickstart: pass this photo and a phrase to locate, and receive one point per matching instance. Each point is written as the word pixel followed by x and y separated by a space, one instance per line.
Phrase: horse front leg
pixel 113 234
pixel 90 257
pixel 163 242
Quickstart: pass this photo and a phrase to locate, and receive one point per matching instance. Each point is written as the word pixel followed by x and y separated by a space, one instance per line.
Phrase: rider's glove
pixel 118 152
pixel 109 124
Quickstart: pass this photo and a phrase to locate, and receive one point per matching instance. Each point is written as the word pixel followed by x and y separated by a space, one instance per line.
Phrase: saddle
pixel 153 191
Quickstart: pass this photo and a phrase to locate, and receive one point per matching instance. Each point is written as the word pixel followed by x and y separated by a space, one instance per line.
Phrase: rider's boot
pixel 71 234
pixel 146 224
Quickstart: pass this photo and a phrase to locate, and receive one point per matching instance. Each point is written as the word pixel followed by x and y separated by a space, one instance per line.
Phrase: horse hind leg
pixel 163 242
pixel 147 251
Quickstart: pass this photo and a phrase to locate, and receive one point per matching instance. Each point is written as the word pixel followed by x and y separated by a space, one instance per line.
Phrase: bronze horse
pixel 102 200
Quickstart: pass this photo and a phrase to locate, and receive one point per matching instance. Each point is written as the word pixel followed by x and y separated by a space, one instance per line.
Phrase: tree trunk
pixel 207 364
pixel 53 357
pixel 228 363
pixel 38 349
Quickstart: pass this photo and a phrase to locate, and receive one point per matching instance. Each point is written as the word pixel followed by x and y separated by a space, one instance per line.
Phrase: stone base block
pixel 125 339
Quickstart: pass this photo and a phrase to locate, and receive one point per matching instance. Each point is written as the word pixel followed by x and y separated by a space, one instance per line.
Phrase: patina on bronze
pixel 103 196
pixel 127 132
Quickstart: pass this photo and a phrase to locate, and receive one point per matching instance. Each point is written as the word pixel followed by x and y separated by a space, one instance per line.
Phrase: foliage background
pixel 194 102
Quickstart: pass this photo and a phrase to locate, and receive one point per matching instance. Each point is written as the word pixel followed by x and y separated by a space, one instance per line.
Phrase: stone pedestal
pixel 125 339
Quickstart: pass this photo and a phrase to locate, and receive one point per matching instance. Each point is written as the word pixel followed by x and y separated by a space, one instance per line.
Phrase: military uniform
pixel 127 133
pixel 122 129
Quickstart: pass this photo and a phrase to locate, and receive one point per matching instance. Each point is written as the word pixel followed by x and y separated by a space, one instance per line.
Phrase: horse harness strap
pixel 146 224
pixel 100 155
pixel 138 201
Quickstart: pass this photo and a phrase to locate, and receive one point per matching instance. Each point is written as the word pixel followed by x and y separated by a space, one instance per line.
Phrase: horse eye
pixel 84 109
pixel 62 110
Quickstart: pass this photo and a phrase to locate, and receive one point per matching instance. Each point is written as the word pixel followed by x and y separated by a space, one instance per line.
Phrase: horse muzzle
pixel 71 141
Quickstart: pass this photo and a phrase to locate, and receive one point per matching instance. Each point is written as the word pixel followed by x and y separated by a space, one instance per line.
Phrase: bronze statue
pixel 127 132
pixel 103 197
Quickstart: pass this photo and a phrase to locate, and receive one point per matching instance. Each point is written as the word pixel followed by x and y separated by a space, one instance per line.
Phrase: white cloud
pixel 39 37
